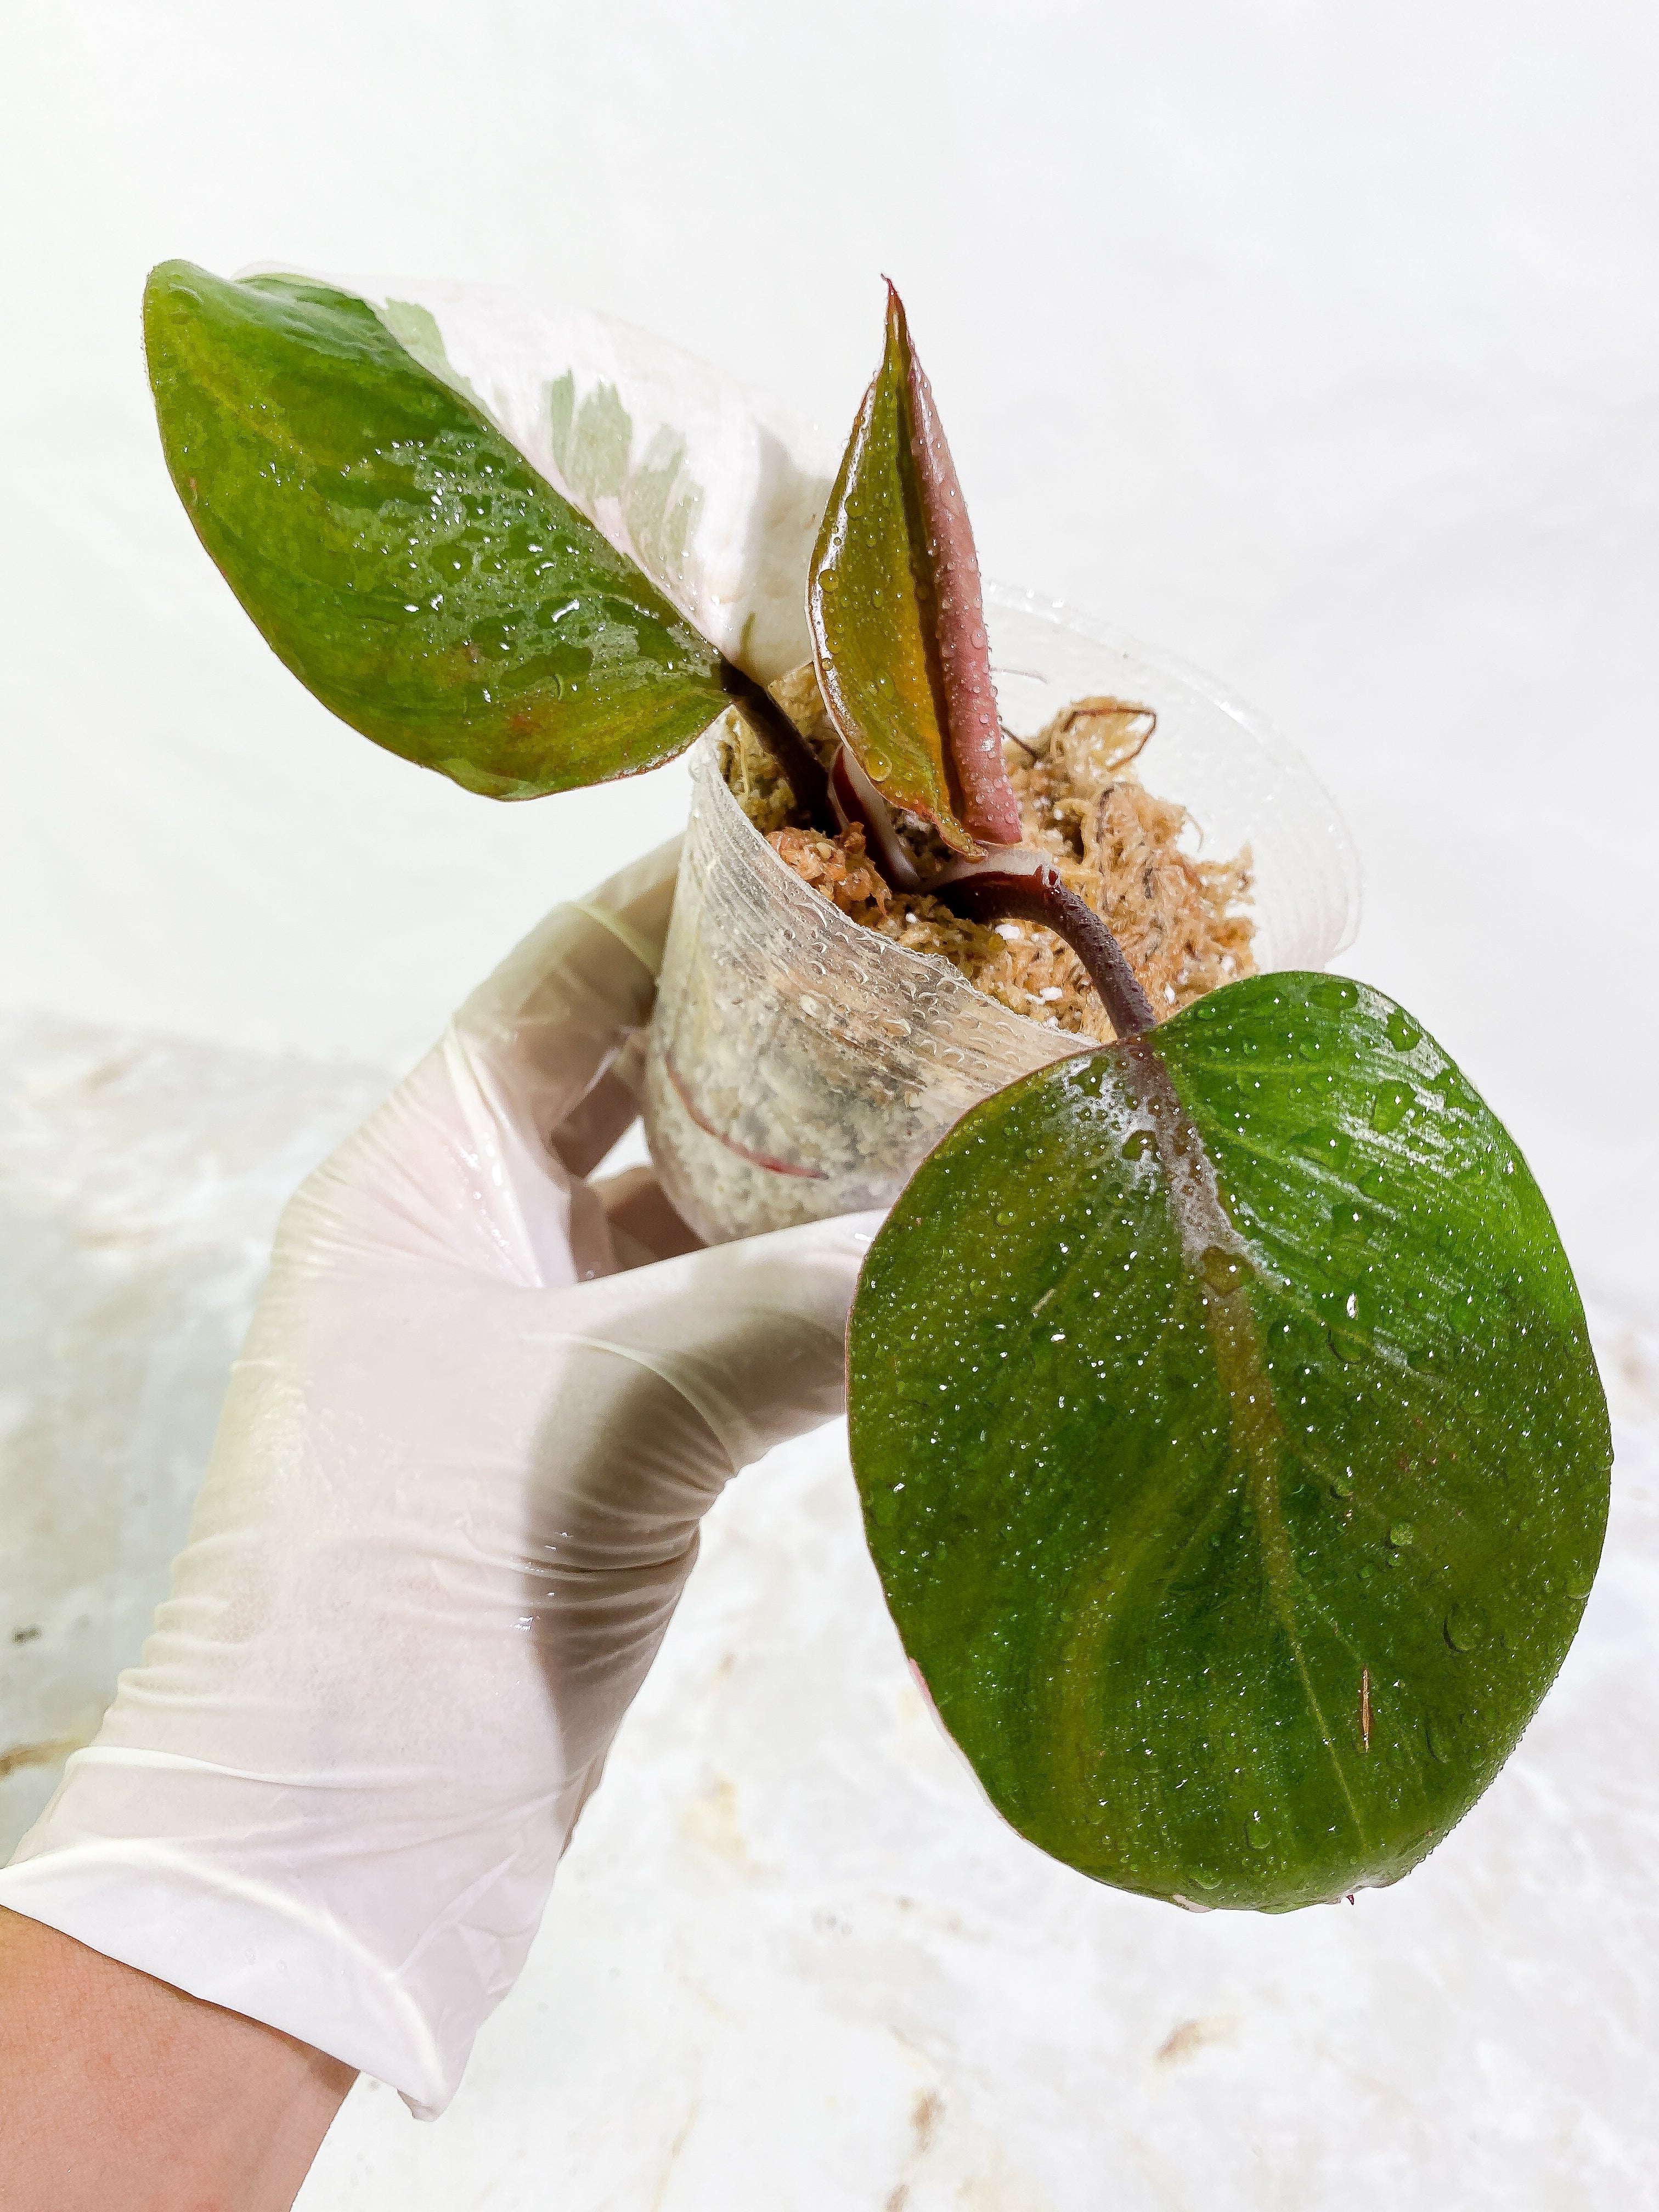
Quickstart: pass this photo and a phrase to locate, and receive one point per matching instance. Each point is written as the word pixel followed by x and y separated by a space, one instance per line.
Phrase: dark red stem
pixel 803 770
pixel 1014 885
pixel 1025 886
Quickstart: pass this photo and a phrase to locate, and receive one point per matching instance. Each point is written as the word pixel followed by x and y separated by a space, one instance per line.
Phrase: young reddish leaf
pixel 973 726
pixel 898 629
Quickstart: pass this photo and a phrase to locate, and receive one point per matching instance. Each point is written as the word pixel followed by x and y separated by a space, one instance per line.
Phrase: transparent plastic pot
pixel 800 1066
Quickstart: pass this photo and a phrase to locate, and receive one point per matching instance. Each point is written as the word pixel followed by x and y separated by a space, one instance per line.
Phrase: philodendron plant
pixel 1227 1431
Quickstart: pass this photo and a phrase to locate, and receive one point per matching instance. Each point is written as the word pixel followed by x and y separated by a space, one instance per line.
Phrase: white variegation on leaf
pixel 715 490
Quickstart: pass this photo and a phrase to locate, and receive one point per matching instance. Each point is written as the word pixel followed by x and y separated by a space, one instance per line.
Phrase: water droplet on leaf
pixel 1403 1032
pixel 1226 1271
pixel 1389 1108
pixel 1466 1626
pixel 1350 1344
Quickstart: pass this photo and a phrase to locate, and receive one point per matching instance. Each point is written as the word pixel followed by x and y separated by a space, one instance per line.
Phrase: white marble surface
pixel 793 1962
pixel 140 1181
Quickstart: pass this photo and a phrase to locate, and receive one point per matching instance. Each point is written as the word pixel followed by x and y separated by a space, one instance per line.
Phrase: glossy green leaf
pixel 893 602
pixel 400 557
pixel 1230 1446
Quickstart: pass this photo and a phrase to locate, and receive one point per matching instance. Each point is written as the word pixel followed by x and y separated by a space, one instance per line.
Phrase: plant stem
pixel 801 767
pixel 1015 884
pixel 855 798
pixel 1021 885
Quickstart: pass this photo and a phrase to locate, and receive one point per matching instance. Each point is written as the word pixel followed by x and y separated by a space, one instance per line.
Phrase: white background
pixel 1317 344
pixel 1314 343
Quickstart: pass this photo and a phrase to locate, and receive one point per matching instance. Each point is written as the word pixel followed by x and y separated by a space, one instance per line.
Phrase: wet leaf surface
pixel 898 629
pixel 400 557
pixel 1230 1446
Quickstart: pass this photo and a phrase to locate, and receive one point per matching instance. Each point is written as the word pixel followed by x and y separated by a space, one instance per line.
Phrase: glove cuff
pixel 239 1913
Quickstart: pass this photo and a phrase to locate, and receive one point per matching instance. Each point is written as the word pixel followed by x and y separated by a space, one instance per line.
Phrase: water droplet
pixel 1206 1878
pixel 1389 1108
pixel 1402 1536
pixel 1205 1013
pixel 1342 1484
pixel 1441 1736
pixel 1335 993
pixel 1579 1586
pixel 1466 1626
pixel 1403 1032
pixel 1350 1346
pixel 1258 1834
pixel 1139 1143
pixel 1226 1271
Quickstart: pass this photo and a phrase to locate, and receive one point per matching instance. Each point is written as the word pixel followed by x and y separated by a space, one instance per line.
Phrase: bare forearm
pixel 119 2093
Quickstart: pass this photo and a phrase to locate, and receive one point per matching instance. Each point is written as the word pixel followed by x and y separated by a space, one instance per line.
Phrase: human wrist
pixel 124 2095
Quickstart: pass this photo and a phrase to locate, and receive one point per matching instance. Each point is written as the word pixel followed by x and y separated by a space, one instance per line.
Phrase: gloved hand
pixel 452 1502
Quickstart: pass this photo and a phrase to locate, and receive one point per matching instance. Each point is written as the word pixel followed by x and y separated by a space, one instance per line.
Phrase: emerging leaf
pixel 898 629
pixel 1230 1446
pixel 400 557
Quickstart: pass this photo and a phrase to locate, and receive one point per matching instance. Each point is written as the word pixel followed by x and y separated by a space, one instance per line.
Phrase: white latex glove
pixel 452 1506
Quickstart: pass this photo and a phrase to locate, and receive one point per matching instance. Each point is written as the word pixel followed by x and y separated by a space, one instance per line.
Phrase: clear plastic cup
pixel 800 1066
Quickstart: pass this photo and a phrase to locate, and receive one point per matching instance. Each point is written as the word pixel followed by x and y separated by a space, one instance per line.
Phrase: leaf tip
pixel 169 289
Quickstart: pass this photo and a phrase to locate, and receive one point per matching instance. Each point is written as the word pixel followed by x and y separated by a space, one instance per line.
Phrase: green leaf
pixel 711 489
pixel 400 557
pixel 898 630
pixel 1230 1446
